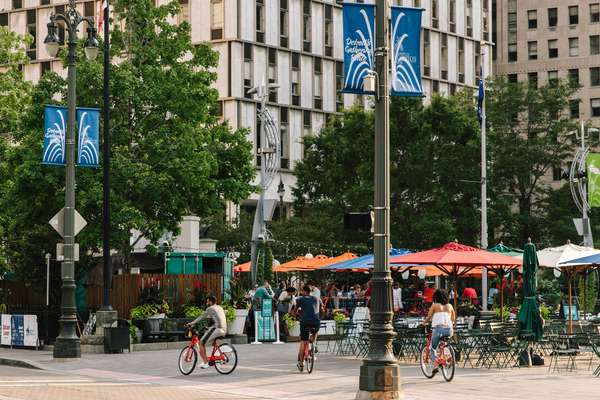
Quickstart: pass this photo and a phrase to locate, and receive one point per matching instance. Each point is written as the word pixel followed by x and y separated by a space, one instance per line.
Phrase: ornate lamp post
pixel 281 193
pixel 67 343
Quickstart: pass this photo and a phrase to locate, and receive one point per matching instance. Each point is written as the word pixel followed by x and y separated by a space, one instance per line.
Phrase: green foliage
pixel 588 292
pixel 192 311
pixel 289 320
pixel 170 156
pixel 229 313
pixel 545 311
pixel 150 295
pixel 3 308
pixel 237 293
pixel 144 311
pixel 133 333
pixel 265 263
pixel 339 317
pixel 549 290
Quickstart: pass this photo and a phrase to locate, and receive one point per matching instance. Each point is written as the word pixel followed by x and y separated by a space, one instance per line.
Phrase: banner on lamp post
pixel 405 28
pixel 55 129
pixel 593 179
pixel 359 45
pixel 88 122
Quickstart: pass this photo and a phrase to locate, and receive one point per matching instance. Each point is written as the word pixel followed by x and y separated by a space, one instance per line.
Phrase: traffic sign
pixel 58 222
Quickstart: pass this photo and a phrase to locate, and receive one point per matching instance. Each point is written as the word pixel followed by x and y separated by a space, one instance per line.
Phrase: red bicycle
pixel 223 356
pixel 444 358
pixel 309 353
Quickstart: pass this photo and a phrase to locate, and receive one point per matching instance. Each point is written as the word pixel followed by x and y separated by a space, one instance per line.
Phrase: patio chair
pixel 595 346
pixel 561 350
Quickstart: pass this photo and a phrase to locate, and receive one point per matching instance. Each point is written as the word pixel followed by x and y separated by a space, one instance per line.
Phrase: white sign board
pixel 6 324
pixel 31 331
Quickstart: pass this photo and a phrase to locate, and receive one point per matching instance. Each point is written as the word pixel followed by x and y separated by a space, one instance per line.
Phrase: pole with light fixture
pixel 281 194
pixel 67 344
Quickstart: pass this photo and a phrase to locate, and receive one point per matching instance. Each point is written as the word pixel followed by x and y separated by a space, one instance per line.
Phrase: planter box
pixel 295 331
pixel 237 326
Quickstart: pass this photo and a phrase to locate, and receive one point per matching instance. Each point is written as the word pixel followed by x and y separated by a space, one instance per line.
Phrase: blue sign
pixel 88 123
pixel 17 330
pixel 406 51
pixel 55 128
pixel 359 44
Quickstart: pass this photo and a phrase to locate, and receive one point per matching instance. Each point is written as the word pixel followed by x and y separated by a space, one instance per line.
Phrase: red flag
pixel 103 5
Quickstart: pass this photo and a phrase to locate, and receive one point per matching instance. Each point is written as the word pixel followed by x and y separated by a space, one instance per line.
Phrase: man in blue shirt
pixel 308 307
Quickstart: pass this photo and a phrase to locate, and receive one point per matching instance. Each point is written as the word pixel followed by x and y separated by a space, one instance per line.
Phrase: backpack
pixel 537 360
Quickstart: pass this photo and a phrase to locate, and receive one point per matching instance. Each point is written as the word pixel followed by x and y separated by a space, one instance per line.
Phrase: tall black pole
pixel 380 373
pixel 107 273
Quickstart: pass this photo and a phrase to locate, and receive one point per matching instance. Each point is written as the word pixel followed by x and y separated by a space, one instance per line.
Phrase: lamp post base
pixel 379 382
pixel 67 348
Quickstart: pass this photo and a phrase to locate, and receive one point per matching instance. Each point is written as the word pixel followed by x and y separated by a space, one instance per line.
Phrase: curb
pixel 11 362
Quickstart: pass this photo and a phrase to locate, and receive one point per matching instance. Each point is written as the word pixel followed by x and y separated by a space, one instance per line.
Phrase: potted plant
pixel 239 307
pixel 292 324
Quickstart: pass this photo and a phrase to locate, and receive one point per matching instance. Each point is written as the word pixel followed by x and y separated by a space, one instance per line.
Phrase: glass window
pixel 248 67
pixel 552 76
pixel 574 108
pixel 512 52
pixel 339 82
pixel 452 13
pixel 532 50
pixel 595 76
pixel 184 11
pixel 573 47
pixel 88 9
pixel 16 4
pixel 532 78
pixel 295 82
pixel 573 15
pixel 306 25
pixel 532 19
pixel 594 44
pixel 283 23
pixel 260 16
pixel 552 48
pixel 552 17
pixel 512 78
pixel 595 12
pixel 216 19
pixel 574 76
pixel 4 19
pixel 512 22
pixel 595 103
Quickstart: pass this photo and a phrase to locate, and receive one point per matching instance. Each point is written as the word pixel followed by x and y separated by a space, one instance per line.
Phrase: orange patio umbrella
pixel 318 263
pixel 245 267
pixel 300 263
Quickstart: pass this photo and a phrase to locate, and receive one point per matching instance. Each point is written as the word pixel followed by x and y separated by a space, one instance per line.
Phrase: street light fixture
pixel 281 193
pixel 67 343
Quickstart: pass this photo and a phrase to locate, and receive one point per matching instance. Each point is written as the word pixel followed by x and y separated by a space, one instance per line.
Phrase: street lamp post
pixel 67 343
pixel 281 193
pixel 380 373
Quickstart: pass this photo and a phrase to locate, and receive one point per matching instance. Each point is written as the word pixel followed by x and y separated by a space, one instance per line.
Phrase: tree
pixel 528 131
pixel 170 154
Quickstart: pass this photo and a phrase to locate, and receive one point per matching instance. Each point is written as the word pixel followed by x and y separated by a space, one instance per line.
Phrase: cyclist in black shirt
pixel 309 320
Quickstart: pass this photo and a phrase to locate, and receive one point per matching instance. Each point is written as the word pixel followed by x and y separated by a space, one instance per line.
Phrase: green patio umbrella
pixel 529 316
pixel 507 251
pixel 502 271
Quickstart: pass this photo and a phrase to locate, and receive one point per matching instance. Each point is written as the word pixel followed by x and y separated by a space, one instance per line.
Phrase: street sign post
pixel 57 222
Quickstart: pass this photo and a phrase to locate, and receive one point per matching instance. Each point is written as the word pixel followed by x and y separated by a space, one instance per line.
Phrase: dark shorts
pixel 305 330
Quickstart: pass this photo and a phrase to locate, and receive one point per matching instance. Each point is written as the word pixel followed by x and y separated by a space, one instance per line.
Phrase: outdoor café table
pixel 482 342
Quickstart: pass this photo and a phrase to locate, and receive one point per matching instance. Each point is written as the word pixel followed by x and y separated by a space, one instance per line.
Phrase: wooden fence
pixel 177 289
pixel 18 295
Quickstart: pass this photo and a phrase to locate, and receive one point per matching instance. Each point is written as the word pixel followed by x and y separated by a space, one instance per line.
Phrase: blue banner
pixel 406 51
pixel 55 128
pixel 17 330
pixel 88 124
pixel 359 41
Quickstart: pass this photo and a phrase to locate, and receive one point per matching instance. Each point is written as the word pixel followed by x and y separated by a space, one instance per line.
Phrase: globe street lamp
pixel 281 193
pixel 67 343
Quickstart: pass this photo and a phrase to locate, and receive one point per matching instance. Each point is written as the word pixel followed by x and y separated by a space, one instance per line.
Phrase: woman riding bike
pixel 442 317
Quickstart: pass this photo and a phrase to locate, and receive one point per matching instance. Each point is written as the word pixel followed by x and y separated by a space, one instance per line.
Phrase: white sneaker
pixel 203 366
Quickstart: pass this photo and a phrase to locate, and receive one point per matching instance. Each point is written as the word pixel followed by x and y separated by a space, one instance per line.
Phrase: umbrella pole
pixel 501 301
pixel 570 307
pixel 455 294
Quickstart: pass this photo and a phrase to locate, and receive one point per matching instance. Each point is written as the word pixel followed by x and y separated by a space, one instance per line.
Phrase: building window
pixel 184 11
pixel 260 21
pixel 595 104
pixel 532 50
pixel 426 53
pixel 573 47
pixel 512 52
pixel 273 74
pixel 574 108
pixel 32 30
pixel 283 23
pixel 44 2
pixel 248 69
pixel 452 15
pixel 16 4
pixel 306 25
pixel 469 14
pixel 328 30
pixel 45 66
pixel 573 15
pixel 284 132
pixel 532 78
pixel 595 76
pixel 434 13
pixel 595 12
pixel 295 79
pixel 435 86
pixel 552 48
pixel 4 19
pixel 461 60
pixel 594 44
pixel 512 78
pixel 552 17
pixel 532 19
pixel 306 123
pixel 484 20
pixel 216 19
pixel 339 84
pixel 88 9
pixel 318 83
pixel 574 76
pixel 552 77
pixel 61 27
pixel 512 22
pixel 556 173
pixel 444 56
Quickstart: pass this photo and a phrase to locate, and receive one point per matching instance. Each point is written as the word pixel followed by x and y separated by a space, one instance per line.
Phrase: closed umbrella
pixel 529 315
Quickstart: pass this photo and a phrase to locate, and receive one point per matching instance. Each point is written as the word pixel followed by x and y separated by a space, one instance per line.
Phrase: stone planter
pixel 295 331
pixel 237 326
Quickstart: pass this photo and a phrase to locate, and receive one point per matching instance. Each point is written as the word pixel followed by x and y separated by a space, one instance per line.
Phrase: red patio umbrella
pixel 455 259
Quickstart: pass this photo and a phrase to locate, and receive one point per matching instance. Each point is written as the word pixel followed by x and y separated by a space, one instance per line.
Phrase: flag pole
pixel 484 227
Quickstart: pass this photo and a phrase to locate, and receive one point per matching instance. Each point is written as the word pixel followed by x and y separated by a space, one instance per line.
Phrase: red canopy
pixel 245 267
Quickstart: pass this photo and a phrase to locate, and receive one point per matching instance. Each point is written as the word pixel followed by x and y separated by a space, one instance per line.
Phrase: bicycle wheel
pixel 227 366
pixel 187 360
pixel 426 364
pixel 449 365
pixel 310 360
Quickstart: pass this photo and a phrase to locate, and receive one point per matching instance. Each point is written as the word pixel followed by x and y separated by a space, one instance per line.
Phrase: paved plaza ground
pixel 266 372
